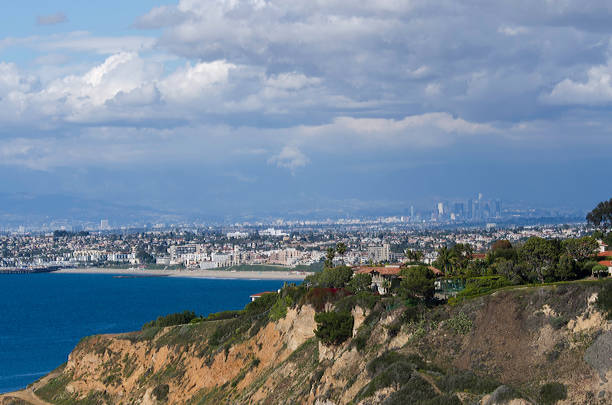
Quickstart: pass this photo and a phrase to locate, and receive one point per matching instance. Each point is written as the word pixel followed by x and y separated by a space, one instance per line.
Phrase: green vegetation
pixel 417 282
pixel 330 277
pixel 604 299
pixel 601 216
pixel 334 328
pixel 477 286
pixel 360 283
pixel 551 393
pixel 461 323
pixel 178 318
pixel 467 381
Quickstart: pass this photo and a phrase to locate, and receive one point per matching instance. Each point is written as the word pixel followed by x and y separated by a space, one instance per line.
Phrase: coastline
pixel 213 274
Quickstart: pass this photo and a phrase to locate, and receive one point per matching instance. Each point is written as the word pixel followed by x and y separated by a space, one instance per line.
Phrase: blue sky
pixel 263 106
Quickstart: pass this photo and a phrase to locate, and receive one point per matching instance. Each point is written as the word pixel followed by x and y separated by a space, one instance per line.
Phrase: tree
pixel 566 269
pixel 541 255
pixel 444 259
pixel 360 282
pixel 418 282
pixel 601 216
pixel 333 328
pixel 329 257
pixel 341 249
pixel 144 257
pixel 332 277
pixel 414 255
pixel 582 248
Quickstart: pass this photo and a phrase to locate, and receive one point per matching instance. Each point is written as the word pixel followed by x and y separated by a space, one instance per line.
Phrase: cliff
pixel 507 347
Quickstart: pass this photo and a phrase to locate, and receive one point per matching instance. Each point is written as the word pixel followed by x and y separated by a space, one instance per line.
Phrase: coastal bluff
pixel 530 345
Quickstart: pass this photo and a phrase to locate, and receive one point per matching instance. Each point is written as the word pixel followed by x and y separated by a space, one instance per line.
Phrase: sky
pixel 253 107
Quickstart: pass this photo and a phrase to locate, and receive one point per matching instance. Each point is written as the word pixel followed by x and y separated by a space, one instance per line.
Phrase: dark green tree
pixel 540 255
pixel 144 257
pixel 582 248
pixel 601 216
pixel 360 282
pixel 333 328
pixel 417 282
pixel 329 257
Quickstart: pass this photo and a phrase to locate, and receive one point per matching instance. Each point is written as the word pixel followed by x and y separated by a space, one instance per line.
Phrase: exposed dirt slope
pixel 522 338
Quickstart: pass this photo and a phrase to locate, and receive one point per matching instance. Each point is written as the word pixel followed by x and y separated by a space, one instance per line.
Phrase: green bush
pixel 461 323
pixel 360 283
pixel 333 328
pixel 261 304
pixel 604 299
pixel 467 381
pixel 481 285
pixel 279 309
pixel 179 318
pixel 386 359
pixel 397 374
pixel 364 300
pixel 161 392
pixel 551 393
pixel 417 391
pixel 558 322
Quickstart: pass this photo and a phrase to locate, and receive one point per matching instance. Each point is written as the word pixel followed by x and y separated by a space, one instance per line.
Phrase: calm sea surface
pixel 43 316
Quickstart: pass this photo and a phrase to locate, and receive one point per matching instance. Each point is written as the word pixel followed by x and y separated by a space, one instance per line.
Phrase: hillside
pixel 501 348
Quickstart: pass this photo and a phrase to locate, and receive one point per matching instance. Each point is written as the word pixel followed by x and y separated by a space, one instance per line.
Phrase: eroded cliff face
pixel 521 338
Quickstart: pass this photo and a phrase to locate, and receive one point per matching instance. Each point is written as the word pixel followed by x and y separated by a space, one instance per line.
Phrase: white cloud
pixel 192 82
pixel 597 89
pixel 290 157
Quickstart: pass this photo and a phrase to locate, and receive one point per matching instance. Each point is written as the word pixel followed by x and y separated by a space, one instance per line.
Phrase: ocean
pixel 43 316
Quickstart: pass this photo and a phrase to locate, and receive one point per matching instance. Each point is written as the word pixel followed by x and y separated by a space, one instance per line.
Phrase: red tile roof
pixel 607 263
pixel 435 271
pixel 605 254
pixel 385 271
pixel 262 293
pixel 479 256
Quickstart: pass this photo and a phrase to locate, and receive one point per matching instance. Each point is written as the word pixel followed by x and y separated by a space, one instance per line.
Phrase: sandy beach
pixel 219 274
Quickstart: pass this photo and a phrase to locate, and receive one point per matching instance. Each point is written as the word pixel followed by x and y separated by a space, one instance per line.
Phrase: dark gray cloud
pixel 51 19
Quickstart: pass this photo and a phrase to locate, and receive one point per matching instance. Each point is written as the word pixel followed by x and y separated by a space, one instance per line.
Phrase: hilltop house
pixel 385 278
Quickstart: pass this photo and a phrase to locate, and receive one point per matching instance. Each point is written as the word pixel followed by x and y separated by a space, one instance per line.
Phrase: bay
pixel 43 316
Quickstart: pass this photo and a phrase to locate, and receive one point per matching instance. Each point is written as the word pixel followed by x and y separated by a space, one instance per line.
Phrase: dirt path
pixel 28 394
pixel 431 382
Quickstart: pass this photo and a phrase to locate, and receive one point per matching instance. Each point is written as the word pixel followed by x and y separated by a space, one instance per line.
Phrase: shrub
pixel 333 328
pixel 279 309
pixel 360 283
pixel 461 323
pixel 261 304
pixel 416 391
pixel 604 299
pixel 396 374
pixel 551 393
pixel 318 297
pixel 558 322
pixel 481 285
pixel 467 381
pixel 388 358
pixel 362 299
pixel 179 318
pixel 161 392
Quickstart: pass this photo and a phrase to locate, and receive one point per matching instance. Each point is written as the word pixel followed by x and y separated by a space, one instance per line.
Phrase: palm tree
pixel 341 249
pixel 444 258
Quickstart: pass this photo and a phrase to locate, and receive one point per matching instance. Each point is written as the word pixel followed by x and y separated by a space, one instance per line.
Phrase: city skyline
pixel 155 109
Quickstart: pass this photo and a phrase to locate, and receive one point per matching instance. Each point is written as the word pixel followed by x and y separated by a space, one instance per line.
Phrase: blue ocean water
pixel 43 316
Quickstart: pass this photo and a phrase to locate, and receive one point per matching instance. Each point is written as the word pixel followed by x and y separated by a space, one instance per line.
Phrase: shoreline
pixel 211 274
